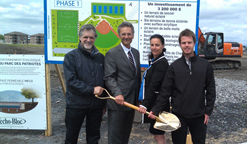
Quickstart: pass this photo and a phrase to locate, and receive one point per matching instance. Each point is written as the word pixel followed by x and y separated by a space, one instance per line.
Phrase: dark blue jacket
pixel 83 71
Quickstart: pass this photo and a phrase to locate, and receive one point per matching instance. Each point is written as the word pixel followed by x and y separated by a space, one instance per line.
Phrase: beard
pixel 88 45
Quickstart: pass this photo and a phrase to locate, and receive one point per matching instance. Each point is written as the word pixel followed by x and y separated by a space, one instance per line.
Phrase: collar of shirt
pixel 126 50
pixel 188 62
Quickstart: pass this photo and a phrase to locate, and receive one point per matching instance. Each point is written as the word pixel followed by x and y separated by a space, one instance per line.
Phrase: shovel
pixel 165 121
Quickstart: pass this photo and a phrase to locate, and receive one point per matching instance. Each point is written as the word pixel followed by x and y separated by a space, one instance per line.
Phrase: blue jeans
pixel 74 119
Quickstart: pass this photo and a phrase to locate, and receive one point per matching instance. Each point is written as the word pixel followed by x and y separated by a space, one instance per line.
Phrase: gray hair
pixel 125 24
pixel 87 27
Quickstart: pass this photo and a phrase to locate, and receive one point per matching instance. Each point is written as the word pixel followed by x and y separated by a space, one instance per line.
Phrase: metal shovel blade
pixel 167 122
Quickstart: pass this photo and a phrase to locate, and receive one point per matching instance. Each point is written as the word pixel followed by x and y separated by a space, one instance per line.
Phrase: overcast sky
pixel 227 16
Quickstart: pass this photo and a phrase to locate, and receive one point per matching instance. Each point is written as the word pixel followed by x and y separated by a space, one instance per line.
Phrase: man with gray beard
pixel 83 70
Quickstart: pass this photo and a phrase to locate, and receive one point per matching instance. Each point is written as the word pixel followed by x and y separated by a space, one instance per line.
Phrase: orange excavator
pixel 211 46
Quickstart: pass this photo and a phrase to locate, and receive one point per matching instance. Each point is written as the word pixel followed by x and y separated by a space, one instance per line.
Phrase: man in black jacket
pixel 83 70
pixel 189 82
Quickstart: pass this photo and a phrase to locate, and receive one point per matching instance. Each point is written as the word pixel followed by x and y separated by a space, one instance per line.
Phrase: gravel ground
pixel 227 125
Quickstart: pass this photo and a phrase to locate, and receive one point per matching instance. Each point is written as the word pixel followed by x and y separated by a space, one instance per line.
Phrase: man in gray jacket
pixel 83 70
pixel 122 78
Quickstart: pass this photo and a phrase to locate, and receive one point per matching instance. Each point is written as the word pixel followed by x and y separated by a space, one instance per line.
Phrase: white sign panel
pixel 22 92
pixel 168 18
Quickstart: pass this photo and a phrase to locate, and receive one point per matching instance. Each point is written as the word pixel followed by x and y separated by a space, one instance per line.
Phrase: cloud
pixel 227 16
pixel 23 16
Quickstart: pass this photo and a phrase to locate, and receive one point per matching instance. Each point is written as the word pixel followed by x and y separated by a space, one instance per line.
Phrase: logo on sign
pixel 12 121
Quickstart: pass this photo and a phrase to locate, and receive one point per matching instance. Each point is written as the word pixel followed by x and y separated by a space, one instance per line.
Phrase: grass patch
pixel 25 45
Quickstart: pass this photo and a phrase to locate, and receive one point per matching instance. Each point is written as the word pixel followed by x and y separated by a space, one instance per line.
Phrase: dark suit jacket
pixel 120 78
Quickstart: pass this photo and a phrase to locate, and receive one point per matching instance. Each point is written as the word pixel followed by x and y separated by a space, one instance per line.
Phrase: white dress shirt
pixel 126 50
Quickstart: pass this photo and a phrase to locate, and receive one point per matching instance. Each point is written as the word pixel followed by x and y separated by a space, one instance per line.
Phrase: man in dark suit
pixel 122 78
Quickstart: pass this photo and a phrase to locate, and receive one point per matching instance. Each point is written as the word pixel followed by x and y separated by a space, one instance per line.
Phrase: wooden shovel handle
pixel 131 106
pixel 125 103
pixel 136 108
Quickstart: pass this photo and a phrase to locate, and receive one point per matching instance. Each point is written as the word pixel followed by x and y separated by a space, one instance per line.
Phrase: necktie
pixel 132 61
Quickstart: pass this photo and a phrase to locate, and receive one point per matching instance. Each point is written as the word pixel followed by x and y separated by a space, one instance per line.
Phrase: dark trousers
pixel 74 119
pixel 119 126
pixel 196 127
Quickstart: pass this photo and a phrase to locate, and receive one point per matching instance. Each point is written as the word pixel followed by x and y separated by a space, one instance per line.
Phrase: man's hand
pixel 119 99
pixel 98 90
pixel 142 110
pixel 206 119
pixel 151 115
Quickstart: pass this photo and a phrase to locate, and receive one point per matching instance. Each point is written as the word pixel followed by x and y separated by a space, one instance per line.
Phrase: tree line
pixel 1 37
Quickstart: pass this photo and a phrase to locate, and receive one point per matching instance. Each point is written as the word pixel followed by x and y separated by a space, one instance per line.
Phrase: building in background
pixel 16 38
pixel 37 38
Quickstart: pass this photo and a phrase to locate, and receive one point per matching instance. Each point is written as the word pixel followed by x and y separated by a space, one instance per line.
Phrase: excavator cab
pixel 210 45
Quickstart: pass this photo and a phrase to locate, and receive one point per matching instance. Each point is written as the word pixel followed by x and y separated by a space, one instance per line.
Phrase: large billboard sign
pixel 63 20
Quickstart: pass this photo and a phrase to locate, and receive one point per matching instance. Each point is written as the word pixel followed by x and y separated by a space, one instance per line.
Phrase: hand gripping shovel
pixel 165 121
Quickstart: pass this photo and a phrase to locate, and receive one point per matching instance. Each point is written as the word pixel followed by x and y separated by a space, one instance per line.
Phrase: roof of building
pixel 38 34
pixel 15 33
